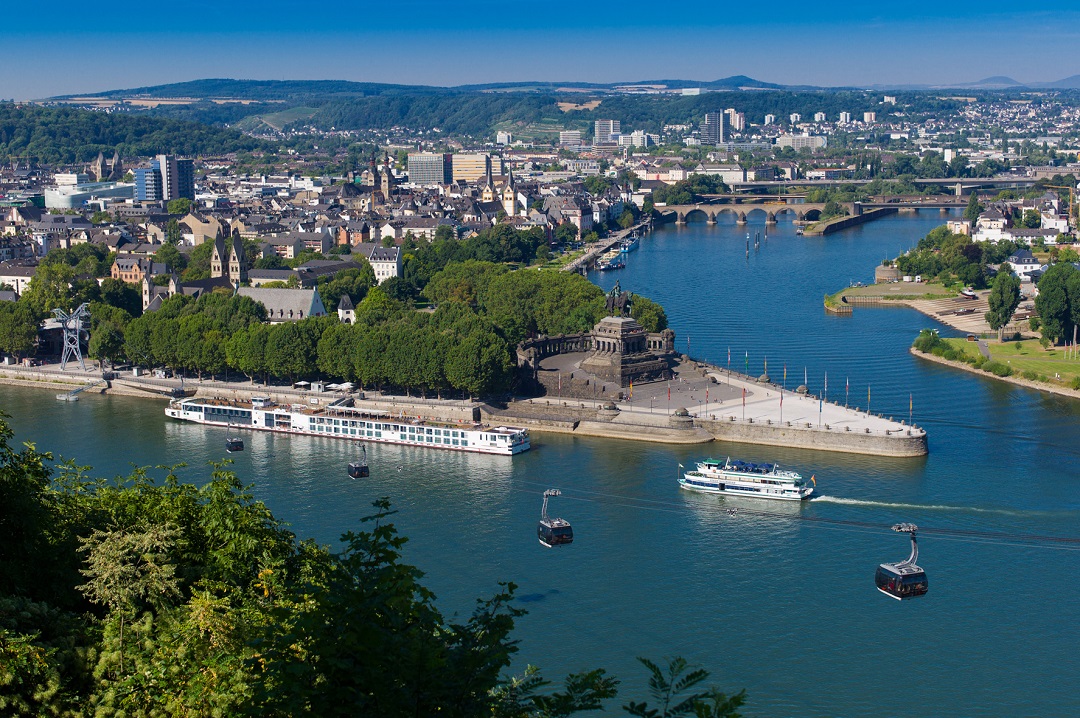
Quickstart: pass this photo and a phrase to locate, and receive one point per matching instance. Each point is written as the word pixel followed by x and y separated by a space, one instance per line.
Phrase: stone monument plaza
pixel 599 363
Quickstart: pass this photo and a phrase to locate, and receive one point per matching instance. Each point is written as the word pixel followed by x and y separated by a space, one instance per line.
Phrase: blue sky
pixel 86 47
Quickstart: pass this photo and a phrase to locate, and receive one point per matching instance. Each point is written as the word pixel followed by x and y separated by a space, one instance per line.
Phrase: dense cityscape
pixel 405 269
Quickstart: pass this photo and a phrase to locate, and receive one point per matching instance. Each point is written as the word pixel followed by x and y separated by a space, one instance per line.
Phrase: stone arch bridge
pixel 805 212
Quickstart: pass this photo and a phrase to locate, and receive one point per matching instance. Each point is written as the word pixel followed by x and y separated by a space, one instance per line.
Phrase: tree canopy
pixel 144 595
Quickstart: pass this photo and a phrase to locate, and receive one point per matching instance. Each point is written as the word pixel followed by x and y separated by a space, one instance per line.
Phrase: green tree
pixel 1004 299
pixel 127 571
pixel 1054 302
pixel 672 690
pixel 173 234
pixel 180 205
pixel 18 328
pixel 974 209
pixel 51 288
pixel 107 342
pixel 171 257
pixel 120 294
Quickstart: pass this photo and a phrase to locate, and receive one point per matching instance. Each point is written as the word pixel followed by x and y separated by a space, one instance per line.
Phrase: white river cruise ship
pixel 345 422
pixel 738 478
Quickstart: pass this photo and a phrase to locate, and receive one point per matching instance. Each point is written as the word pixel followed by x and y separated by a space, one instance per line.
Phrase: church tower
pixel 387 180
pixel 487 192
pixel 509 194
pixel 237 269
pixel 218 266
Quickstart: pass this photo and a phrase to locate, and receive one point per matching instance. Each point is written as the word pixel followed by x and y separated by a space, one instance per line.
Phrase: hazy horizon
pixel 129 44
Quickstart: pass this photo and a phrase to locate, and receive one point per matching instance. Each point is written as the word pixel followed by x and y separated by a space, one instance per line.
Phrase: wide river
pixel 783 606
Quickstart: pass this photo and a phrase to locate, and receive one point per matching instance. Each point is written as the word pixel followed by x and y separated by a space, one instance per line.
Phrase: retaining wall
pixel 839 224
pixel 852 442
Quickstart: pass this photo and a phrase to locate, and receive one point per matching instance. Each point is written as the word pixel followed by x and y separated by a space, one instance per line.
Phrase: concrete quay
pixel 705 403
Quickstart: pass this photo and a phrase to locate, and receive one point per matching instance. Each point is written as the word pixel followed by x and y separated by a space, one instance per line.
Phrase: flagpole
pixel 910 407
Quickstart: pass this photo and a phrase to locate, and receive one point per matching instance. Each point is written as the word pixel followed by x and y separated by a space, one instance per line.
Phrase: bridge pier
pixel 742 219
pixel 680 219
pixel 959 189
pixel 770 220
pixel 711 219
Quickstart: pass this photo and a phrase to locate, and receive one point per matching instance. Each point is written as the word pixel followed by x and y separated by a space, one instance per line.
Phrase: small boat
pixel 359 469
pixel 969 293
pixel 798 230
pixel 611 260
pixel 739 478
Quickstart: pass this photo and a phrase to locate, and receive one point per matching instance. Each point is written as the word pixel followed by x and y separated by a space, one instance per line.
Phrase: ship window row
pixel 228 412
pixel 425 439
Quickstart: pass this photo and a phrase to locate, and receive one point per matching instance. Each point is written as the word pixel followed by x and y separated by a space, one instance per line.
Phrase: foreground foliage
pixel 141 598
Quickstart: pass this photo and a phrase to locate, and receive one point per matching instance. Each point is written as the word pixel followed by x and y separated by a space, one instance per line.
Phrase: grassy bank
pixel 896 291
pixel 1022 360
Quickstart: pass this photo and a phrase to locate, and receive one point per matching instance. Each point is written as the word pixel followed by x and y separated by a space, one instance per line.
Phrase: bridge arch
pixel 811 215
pixel 693 211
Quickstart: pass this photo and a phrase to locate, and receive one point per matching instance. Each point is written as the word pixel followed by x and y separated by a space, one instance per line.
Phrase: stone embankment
pixel 801 421
pixel 838 223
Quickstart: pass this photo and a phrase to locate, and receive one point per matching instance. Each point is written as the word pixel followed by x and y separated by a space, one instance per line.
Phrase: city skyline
pixel 962 43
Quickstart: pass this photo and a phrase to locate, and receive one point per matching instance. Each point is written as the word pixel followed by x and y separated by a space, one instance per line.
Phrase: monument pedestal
pixel 621 353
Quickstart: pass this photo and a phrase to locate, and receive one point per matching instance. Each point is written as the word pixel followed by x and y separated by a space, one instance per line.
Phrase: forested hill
pixel 265 90
pixel 478 113
pixel 68 135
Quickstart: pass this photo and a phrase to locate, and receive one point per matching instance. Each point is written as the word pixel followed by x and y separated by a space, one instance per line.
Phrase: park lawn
pixel 1029 357
pixel 897 290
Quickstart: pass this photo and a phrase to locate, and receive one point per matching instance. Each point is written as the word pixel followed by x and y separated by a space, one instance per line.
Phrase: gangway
pixel 73 395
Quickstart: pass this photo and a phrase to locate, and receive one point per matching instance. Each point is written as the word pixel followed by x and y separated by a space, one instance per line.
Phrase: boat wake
pixel 922 507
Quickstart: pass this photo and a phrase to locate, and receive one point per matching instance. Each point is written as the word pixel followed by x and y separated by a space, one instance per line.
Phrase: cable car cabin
pixel 901 580
pixel 554 532
pixel 234 444
pixel 358 470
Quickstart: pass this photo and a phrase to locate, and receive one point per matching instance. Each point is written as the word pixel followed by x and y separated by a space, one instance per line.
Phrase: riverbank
pixel 705 403
pixel 707 408
pixel 1017 379
pixel 965 314
pixel 836 224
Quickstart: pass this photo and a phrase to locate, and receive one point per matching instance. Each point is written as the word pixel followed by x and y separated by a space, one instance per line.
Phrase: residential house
pixel 385 261
pixel 17 276
pixel 1023 263
pixel 133 269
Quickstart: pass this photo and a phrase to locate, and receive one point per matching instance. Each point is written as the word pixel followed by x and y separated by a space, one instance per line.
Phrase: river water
pixel 782 605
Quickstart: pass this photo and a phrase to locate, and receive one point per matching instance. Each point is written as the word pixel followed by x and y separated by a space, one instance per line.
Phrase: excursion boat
pixel 738 478
pixel 628 245
pixel 342 421
pixel 611 260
